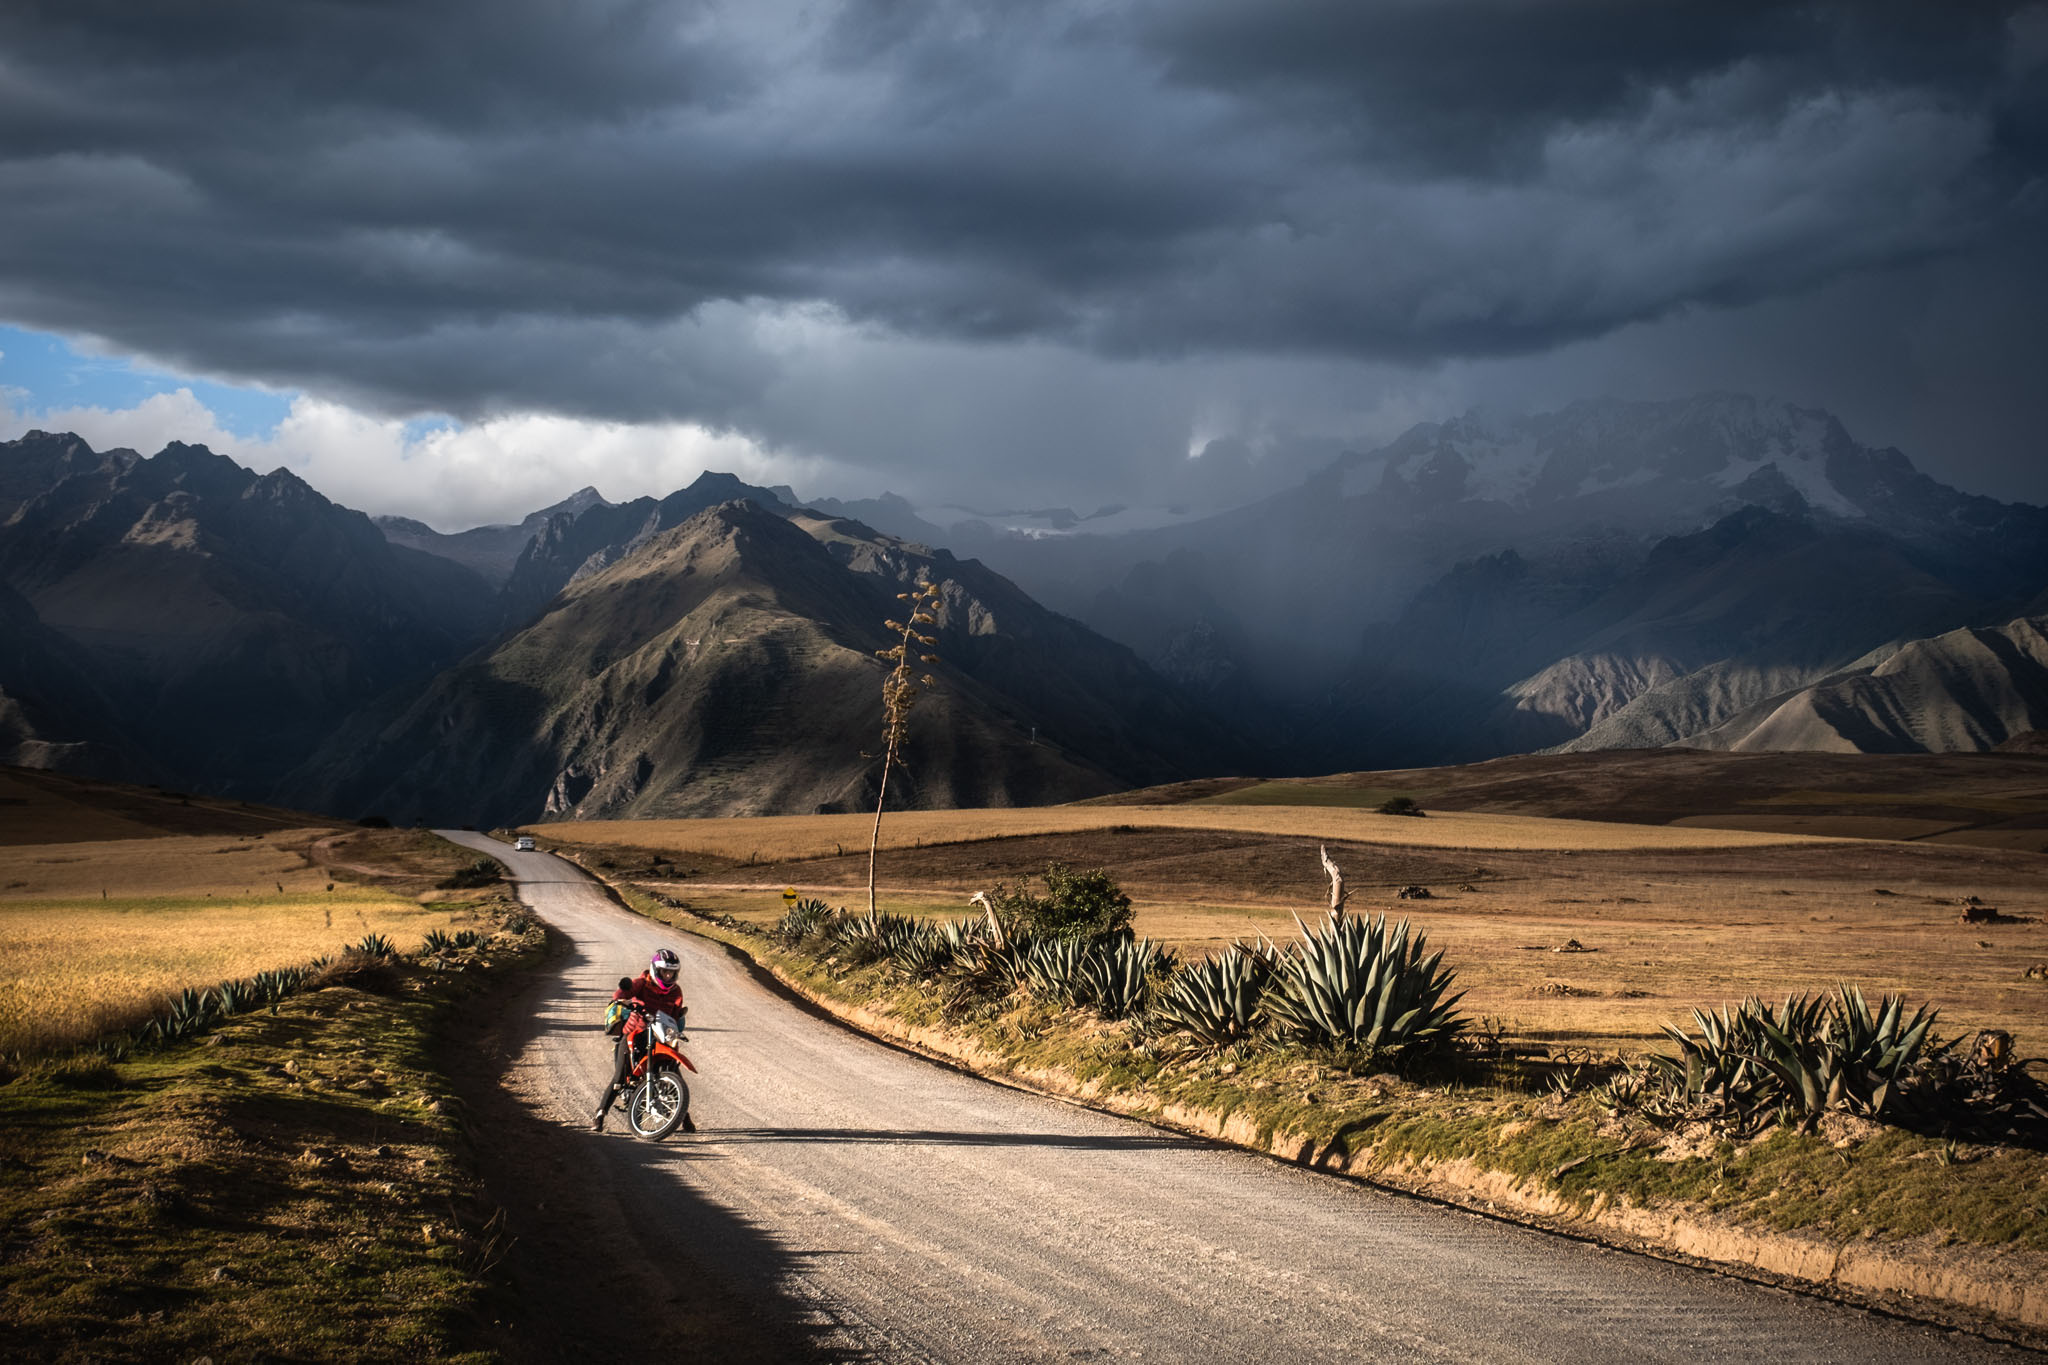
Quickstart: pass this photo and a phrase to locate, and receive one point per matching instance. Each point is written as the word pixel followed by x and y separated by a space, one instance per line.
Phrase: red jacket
pixel 654 997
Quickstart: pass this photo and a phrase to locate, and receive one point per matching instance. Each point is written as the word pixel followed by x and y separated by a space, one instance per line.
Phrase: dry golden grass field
pixel 1668 917
pixel 96 931
pixel 776 838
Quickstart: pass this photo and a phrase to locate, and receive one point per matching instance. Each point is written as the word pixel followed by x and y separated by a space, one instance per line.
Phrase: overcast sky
pixel 458 257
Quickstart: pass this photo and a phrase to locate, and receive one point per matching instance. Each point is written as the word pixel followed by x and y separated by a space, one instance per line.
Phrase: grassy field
pixel 38 807
pixel 70 969
pixel 95 935
pixel 764 839
pixel 1992 800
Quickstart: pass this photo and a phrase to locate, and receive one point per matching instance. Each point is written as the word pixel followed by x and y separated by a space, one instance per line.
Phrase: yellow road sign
pixel 789 893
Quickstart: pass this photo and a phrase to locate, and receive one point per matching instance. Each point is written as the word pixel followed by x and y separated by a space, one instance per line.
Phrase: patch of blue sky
pixel 42 372
pixel 419 428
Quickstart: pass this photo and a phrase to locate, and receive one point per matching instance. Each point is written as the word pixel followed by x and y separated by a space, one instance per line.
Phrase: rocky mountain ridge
pixel 227 620
pixel 726 665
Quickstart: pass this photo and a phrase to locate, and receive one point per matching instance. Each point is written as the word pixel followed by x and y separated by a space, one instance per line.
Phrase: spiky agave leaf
pixel 1217 1002
pixel 918 949
pixel 1052 968
pixel 1115 976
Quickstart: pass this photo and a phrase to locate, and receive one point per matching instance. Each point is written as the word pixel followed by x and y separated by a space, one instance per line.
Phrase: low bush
pixel 1081 904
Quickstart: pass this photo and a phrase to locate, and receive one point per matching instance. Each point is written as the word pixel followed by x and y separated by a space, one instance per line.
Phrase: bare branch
pixel 1338 895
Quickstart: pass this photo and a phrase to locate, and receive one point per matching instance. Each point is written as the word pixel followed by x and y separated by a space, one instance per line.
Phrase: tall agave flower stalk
pixel 1361 985
pixel 901 691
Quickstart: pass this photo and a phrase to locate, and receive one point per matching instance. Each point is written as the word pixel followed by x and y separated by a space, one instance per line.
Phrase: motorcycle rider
pixel 655 991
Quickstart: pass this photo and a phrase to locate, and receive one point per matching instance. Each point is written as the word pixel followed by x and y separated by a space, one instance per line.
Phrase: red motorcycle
pixel 657 1096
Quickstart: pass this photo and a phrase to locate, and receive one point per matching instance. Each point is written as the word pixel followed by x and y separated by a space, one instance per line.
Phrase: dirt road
pixel 848 1200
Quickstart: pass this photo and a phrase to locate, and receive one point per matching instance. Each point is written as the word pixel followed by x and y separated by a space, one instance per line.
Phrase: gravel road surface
pixel 862 1203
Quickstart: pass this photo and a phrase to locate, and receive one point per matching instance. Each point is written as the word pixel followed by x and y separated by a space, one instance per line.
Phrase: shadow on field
pixel 611 1251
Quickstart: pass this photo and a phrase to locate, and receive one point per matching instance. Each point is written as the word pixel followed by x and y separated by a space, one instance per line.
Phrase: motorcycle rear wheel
pixel 658 1104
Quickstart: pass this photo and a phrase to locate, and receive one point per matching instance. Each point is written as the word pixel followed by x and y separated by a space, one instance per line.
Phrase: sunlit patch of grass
pixel 73 968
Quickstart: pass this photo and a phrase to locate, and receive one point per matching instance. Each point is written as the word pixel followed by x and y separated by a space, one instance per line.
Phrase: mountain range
pixel 1717 572
pixel 728 665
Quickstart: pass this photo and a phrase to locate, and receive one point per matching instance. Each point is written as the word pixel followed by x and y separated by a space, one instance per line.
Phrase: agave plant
pixel 802 920
pixel 376 945
pixel 468 938
pixel 436 942
pixel 1831 1054
pixel 868 937
pixel 1052 968
pixel 997 966
pixel 1216 1002
pixel 1358 984
pixel 920 949
pixel 232 997
pixel 1115 976
pixel 1717 1073
pixel 190 1010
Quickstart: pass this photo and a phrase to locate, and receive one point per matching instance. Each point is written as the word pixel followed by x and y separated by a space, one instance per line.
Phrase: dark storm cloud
pixel 627 209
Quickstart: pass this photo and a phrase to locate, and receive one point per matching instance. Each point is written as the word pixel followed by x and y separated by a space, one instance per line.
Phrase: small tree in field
pixel 900 692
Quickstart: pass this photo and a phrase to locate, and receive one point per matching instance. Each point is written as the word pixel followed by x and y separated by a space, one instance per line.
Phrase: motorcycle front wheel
pixel 658 1104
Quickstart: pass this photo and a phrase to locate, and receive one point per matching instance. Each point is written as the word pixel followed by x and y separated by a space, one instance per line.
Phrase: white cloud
pixel 454 476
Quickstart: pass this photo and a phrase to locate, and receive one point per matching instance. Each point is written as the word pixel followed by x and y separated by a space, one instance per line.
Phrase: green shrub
pixel 1401 805
pixel 1081 905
